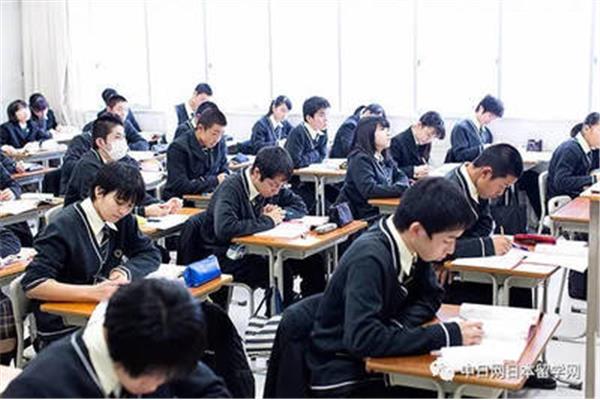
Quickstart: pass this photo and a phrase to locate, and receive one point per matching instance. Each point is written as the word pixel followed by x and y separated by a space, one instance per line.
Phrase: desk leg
pixel 322 193
pixel 592 302
pixel 278 272
pixel 317 196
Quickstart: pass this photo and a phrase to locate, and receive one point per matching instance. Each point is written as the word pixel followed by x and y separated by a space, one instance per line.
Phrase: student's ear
pixel 487 172
pixel 417 230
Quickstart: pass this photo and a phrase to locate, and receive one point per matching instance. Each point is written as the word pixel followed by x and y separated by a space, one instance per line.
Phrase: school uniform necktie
pixel 258 204
pixel 277 132
pixel 105 242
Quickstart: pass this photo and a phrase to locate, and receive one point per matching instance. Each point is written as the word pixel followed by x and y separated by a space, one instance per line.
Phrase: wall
pixel 11 54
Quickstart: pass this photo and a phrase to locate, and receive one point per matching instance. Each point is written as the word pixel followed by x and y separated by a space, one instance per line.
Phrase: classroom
pixel 300 199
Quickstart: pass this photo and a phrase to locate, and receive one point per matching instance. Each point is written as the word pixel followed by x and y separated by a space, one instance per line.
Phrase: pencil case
pixel 200 272
pixel 531 239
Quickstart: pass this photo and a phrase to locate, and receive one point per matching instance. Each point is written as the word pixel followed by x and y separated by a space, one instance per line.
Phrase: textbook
pixel 286 230
pixel 506 331
pixel 15 207
pixel 166 222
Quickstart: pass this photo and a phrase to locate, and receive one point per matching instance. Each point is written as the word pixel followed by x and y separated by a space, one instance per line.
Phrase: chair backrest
pixel 543 186
pixel 21 307
pixel 52 213
pixel 557 202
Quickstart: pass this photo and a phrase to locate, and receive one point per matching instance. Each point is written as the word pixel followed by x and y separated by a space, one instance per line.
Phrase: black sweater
pixel 475 241
pixel 569 170
pixel 45 124
pixel 6 182
pixel 368 178
pixel 65 370
pixel 192 168
pixel 263 134
pixel 368 311
pixel 467 143
pixel 67 252
pixel 407 153
pixel 344 137
pixel 303 149
pixel 9 243
pixel 80 145
pixel 231 214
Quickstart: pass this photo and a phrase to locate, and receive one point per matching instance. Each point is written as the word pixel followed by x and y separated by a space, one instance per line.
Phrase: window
pixel 545 58
pixel 176 53
pixel 457 50
pixel 595 88
pixel 238 53
pixel 377 41
pixel 304 39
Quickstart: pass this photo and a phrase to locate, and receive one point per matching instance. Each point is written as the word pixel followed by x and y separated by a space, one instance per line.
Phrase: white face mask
pixel 118 149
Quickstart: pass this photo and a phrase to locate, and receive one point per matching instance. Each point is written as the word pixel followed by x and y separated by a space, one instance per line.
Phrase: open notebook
pixel 15 207
pixel 166 222
pixel 506 330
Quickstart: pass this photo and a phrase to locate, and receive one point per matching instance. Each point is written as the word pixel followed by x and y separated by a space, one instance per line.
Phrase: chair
pixel 21 307
pixel 52 213
pixel 548 207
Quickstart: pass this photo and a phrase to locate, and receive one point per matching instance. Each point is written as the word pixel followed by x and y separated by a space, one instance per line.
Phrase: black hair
pixel 437 204
pixel 103 125
pixel 434 120
pixel 279 100
pixel 491 104
pixel 590 120
pixel 364 134
pixel 373 108
pixel 273 161
pixel 203 88
pixel 107 94
pixel 504 160
pixel 38 102
pixel 210 117
pixel 155 325
pixel 312 105
pixel 206 105
pixel 121 178
pixel 12 109
pixel 114 99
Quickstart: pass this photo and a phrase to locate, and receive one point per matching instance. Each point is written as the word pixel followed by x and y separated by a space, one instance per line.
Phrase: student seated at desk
pixel 78 146
pixel 190 125
pixel 9 244
pixel 19 129
pixel 344 137
pixel 106 95
pixel 117 104
pixel 187 110
pixel 149 343
pixel 272 128
pixel 383 291
pixel 41 114
pixel 251 201
pixel 371 173
pixel 411 149
pixel 486 178
pixel 109 145
pixel 90 248
pixel 307 144
pixel 11 190
pixel 572 161
pixel 197 161
pixel 468 137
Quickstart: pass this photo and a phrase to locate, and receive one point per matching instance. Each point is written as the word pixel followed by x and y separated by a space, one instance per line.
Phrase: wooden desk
pixel 279 250
pixel 26 178
pixel 11 271
pixel 77 313
pixel 153 181
pixel 7 374
pixel 156 234
pixel 234 166
pixel 517 277
pixel 38 212
pixel 592 329
pixel 321 175
pixel 414 370
pixel 386 206
pixel 573 216
pixel 199 200
pixel 43 156
pixel 532 158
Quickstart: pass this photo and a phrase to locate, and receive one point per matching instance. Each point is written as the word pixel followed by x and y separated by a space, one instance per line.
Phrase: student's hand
pixel 275 213
pixel 471 332
pixel 6 195
pixel 221 177
pixel 502 244
pixel 444 276
pixel 157 210
pixel 9 150
pixel 118 277
pixel 20 167
pixel 421 171
pixel 175 204
pixel 104 290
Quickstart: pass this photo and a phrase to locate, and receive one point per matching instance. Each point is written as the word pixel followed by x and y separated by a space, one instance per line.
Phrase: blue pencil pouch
pixel 200 272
